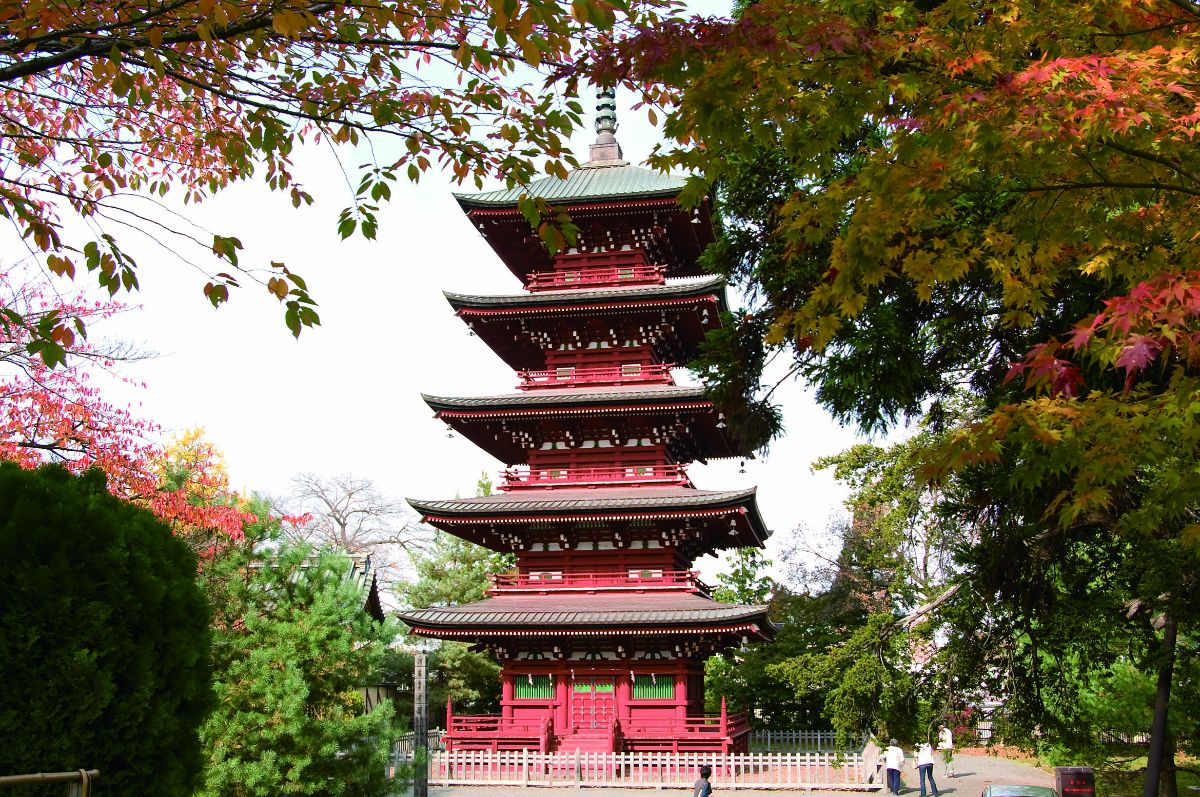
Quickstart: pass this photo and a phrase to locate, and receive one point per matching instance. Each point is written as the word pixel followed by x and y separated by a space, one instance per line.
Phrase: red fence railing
pixel 631 374
pixel 624 475
pixel 497 733
pixel 651 579
pixel 595 277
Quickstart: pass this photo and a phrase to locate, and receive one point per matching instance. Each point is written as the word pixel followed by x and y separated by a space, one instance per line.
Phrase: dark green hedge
pixel 104 638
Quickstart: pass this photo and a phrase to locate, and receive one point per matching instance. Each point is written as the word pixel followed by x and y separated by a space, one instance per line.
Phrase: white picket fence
pixel 407 742
pixel 769 741
pixel 825 770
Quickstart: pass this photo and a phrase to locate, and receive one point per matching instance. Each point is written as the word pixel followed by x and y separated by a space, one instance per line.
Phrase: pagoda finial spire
pixel 606 110
pixel 606 151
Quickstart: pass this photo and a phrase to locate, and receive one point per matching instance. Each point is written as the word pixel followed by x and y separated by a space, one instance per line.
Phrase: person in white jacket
pixel 893 761
pixel 946 746
pixel 925 768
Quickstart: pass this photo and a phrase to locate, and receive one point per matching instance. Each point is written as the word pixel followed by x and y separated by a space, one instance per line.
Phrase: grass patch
pixel 1125 776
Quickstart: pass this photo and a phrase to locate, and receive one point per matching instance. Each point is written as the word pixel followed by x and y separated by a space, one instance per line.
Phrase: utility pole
pixel 420 728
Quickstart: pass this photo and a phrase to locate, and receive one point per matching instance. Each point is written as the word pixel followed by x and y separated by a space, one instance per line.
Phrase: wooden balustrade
pixel 498 733
pixel 732 725
pixel 595 277
pixel 575 478
pixel 598 376
pixel 635 580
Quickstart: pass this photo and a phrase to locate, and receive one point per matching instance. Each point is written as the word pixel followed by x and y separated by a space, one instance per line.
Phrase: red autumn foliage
pixel 59 414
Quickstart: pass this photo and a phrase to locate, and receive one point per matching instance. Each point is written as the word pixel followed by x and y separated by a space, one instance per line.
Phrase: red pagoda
pixel 603 630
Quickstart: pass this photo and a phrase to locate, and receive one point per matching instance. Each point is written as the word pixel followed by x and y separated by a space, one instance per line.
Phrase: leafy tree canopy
pixel 102 101
pixel 58 415
pixel 999 197
pixel 963 187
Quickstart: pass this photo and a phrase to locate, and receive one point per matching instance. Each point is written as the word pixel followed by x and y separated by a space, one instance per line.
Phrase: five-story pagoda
pixel 603 631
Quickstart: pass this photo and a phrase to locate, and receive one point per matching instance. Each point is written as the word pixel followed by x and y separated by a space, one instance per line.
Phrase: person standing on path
pixel 893 760
pixel 925 768
pixel 702 787
pixel 946 745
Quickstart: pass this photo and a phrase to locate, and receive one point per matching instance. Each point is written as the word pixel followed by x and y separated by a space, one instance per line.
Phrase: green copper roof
pixel 585 184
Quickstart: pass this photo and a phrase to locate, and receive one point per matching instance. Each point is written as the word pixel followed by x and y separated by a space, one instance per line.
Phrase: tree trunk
pixel 1169 786
pixel 1162 700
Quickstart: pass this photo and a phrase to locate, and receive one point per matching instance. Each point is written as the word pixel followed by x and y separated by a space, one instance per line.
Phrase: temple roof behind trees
pixel 662 611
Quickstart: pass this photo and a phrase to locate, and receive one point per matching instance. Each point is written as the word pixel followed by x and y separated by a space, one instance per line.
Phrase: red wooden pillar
pixel 681 691
pixel 506 694
pixel 726 742
pixel 562 696
pixel 624 694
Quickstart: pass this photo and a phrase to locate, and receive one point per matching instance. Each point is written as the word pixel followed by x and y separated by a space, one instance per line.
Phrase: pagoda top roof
pixel 599 182
pixel 531 613
pixel 681 289
pixel 618 394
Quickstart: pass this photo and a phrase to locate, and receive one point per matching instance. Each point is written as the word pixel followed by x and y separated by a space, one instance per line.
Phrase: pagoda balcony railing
pixel 497 733
pixel 595 277
pixel 584 478
pixel 630 581
pixel 593 376
pixel 723 725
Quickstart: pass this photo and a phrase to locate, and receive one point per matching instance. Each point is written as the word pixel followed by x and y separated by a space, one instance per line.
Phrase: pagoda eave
pixel 716 529
pixel 582 209
pixel 616 304
pixel 605 631
pixel 719 519
pixel 509 426
pixel 521 331
pixel 600 409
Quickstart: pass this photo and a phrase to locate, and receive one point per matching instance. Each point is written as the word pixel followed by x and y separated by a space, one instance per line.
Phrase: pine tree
pixel 292 646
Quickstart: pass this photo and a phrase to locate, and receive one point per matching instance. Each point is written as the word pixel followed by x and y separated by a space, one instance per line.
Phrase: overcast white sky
pixel 345 397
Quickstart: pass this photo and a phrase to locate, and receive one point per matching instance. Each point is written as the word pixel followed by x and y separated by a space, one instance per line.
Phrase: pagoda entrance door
pixel 593 702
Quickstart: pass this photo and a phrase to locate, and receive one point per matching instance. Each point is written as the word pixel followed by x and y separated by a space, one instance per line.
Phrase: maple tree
pixel 58 414
pixel 103 102
pixel 191 491
pixel 996 197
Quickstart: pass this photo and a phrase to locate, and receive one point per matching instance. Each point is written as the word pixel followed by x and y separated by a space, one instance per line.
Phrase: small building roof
pixel 533 613
pixel 588 183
